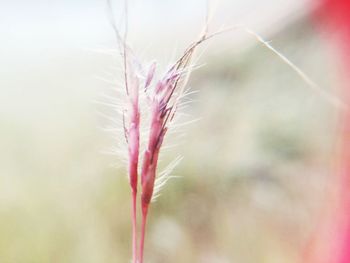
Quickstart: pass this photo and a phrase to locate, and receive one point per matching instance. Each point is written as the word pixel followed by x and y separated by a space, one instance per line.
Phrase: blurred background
pixel 252 182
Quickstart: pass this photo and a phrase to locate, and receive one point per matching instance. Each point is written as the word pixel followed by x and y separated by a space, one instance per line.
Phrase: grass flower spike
pixel 162 97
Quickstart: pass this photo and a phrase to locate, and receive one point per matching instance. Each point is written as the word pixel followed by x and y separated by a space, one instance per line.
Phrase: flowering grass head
pixel 151 100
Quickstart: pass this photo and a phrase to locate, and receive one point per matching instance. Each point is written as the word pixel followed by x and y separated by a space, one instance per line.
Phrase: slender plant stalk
pixel 134 226
pixel 143 232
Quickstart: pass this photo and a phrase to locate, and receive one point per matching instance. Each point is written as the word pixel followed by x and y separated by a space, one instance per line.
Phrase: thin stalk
pixel 143 231
pixel 134 226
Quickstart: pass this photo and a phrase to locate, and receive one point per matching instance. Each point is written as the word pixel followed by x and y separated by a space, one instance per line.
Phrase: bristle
pixel 164 177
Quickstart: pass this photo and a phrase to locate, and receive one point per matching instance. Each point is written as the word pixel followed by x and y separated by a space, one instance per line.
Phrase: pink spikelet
pixel 163 100
pixel 132 135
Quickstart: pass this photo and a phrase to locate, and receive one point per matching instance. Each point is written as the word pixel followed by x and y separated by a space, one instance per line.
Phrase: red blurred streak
pixel 331 240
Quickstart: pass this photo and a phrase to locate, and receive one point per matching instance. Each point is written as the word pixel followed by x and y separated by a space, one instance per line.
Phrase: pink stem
pixel 133 183
pixel 143 231
pixel 134 226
